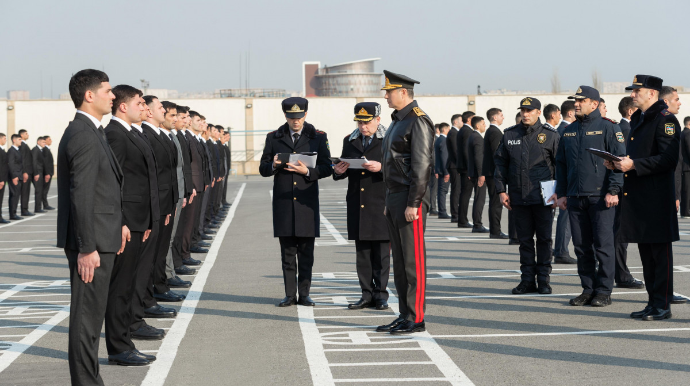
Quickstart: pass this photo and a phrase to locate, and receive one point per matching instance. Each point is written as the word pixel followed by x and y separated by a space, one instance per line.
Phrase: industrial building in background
pixel 351 79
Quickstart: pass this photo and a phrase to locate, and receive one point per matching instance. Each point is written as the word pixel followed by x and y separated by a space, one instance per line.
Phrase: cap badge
pixel 579 90
pixel 363 111
pixel 541 138
pixel 527 102
pixel 295 109
pixel 635 80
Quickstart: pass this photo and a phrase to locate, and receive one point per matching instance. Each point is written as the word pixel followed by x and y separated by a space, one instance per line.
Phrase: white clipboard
pixel 308 160
pixel 355 163
pixel 548 188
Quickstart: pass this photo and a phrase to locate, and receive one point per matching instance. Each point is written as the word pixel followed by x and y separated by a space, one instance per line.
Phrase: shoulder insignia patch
pixel 418 111
pixel 541 137
pixel 665 112
pixel 550 128
pixel 610 120
pixel 572 134
pixel 670 128
pixel 619 137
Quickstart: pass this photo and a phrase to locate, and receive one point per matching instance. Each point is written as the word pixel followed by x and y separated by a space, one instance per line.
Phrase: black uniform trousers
pixel 434 188
pixel 562 234
pixel 26 193
pixel 208 213
pixel 495 207
pixel 46 188
pixel 185 231
pixel 657 266
pixel 373 268
pixel 140 299
pixel 479 201
pixel 159 281
pixel 2 196
pixel 591 225
pixel 441 196
pixel 297 256
pixel 455 188
pixel 38 193
pixel 512 231
pixel 118 312
pixel 685 195
pixel 15 195
pixel 622 273
pixel 466 188
pixel 87 311
pixel 531 220
pixel 199 212
pixel 409 255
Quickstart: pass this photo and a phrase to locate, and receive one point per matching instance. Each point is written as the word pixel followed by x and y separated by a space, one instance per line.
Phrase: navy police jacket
pixel 580 173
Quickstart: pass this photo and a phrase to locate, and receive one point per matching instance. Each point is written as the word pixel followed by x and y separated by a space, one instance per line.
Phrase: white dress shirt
pixel 92 118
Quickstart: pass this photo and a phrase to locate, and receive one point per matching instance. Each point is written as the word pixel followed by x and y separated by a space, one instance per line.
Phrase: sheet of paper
pixel 355 163
pixel 308 160
pixel 548 188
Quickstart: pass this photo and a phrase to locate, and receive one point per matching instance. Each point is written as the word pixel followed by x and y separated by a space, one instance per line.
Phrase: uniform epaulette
pixel 665 112
pixel 510 128
pixel 320 132
pixel 418 111
pixel 610 120
pixel 272 132
pixel 549 128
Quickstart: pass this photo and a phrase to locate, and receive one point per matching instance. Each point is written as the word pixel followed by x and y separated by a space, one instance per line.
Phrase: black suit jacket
pixel 561 128
pixel 140 207
pixel 198 167
pixel 27 160
pixel 89 190
pixel 213 158
pixel 492 138
pixel 48 162
pixel 475 154
pixel 684 148
pixel 461 143
pixel 4 166
pixel 186 163
pixel 441 158
pixel 229 158
pixel 37 159
pixel 14 162
pixel 221 159
pixel 210 172
pixel 452 147
pixel 165 171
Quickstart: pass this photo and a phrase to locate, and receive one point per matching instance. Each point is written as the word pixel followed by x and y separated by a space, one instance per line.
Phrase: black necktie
pixel 171 138
pixel 367 142
pixel 102 132
pixel 295 137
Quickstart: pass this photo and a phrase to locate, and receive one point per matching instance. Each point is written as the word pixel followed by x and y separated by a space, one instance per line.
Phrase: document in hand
pixel 307 158
pixel 604 154
pixel 355 163
pixel 548 188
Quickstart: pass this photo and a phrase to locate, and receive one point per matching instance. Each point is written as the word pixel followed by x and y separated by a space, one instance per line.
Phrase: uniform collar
pixel 399 115
pixel 380 133
pixel 93 119
pixel 157 130
pixel 123 123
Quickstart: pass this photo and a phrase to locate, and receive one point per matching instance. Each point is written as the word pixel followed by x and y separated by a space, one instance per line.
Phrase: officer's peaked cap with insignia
pixel 646 81
pixel 394 81
pixel 295 107
pixel 366 111
pixel 530 104
pixel 584 92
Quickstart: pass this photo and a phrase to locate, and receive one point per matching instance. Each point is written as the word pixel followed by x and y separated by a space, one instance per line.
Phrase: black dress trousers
pixel 466 188
pixel 15 195
pixel 455 187
pixel 159 281
pixel 26 193
pixel 622 272
pixel 46 189
pixel 297 256
pixel 495 207
pixel 530 220
pixel 479 201
pixel 657 265
pixel 38 193
pixel 2 195
pixel 373 268
pixel 140 298
pixel 685 195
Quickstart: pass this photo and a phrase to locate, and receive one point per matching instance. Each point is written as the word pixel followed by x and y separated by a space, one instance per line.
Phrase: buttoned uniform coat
pixel 648 203
pixel 366 191
pixel 296 196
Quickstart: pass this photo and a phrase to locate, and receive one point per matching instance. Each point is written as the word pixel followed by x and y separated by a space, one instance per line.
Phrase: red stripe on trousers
pixel 421 270
pixel 415 228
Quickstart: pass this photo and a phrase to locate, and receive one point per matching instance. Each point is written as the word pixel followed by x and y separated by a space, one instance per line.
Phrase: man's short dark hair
pixel 601 100
pixel 567 107
pixel 410 92
pixel 40 139
pixel 624 105
pixel 442 126
pixel 475 121
pixel 203 118
pixel 2 135
pixel 492 113
pixel 83 81
pixel 686 120
pixel 193 114
pixel 666 92
pixel 182 109
pixel 454 117
pixel 46 136
pixel 467 115
pixel 220 127
pixel 549 110
pixel 22 131
pixel 148 99
pixel 167 105
pixel 123 94
pixel 14 136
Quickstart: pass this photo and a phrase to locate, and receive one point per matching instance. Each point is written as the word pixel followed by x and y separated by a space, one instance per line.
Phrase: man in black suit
pixel 199 156
pixel 222 171
pixel 453 165
pixel 433 181
pixel 463 162
pixel 27 172
pixel 48 171
pixel 296 196
pixel 140 215
pixel 441 169
pixel 685 185
pixel 226 149
pixel 475 158
pixel 14 160
pixel 89 219
pixel 492 139
pixel 4 173
pixel 39 169
pixel 214 161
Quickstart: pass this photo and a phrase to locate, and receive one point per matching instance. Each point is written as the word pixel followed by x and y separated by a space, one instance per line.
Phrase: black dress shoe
pixel 564 260
pixel 582 300
pixel 15 217
pixel 632 283
pixel 190 261
pixel 197 249
pixel 287 302
pixel 433 212
pixel 657 314
pixel 388 327
pixel 3 221
pixel 49 208
pixel 212 226
pixel 361 303
pixel 306 301
pixel 381 305
pixel 176 282
pixel 408 327
pixel 499 236
pixel 678 300
pixel 468 225
pixel 640 314
pixel 443 216
pixel 209 232
pixel 525 287
pixel 206 237
pixel 514 242
pixel 216 223
pixel 168 297
pixel 480 229
pixel 150 358
pixel 203 244
pixel 453 219
pixel 159 312
pixel 544 288
pixel 148 333
pixel 128 358
pixel 27 214
pixel 184 270
pixel 40 211
pixel 601 300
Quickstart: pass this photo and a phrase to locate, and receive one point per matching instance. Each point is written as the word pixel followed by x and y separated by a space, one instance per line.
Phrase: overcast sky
pixel 450 46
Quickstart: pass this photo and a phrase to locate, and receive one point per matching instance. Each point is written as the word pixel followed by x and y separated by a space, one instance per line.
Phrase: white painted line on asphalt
pixel 25 317
pixel 25 241
pixel 159 370
pixel 331 229
pixel 511 296
pixel 376 349
pixel 593 332
pixel 368 380
pixel 14 290
pixel 352 316
pixel 313 347
pixel 379 364
pixel 23 220
pixel 12 336
pixel 28 296
pixel 22 326
pixel 42 302
pixel 32 232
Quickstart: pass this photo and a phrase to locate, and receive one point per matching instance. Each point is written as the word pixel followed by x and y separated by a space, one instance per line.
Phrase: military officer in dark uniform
pixel 408 158
pixel 296 196
pixel 366 196
pixel 590 194
pixel 648 207
pixel 525 157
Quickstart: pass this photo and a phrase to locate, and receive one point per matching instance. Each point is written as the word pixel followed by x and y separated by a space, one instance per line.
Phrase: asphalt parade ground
pixel 230 332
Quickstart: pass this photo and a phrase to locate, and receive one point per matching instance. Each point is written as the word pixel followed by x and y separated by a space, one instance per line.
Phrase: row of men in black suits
pixel 123 192
pixel 22 166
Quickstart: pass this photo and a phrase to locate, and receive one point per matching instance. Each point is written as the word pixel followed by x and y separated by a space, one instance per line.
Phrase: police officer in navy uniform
pixel 648 207
pixel 296 196
pixel 590 194
pixel 525 157
pixel 366 196
pixel 408 158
